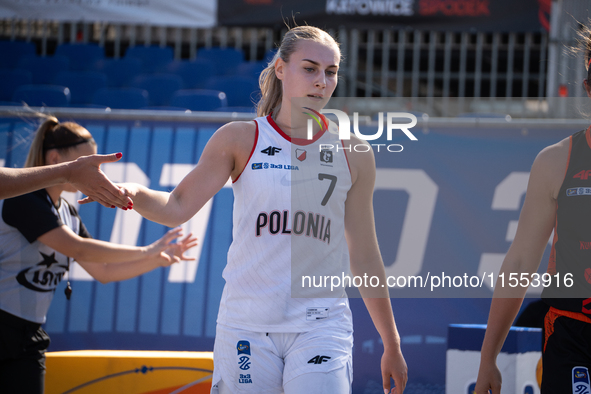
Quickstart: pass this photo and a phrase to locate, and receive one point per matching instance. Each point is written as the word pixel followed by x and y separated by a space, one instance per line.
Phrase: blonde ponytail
pixel 36 156
pixel 52 134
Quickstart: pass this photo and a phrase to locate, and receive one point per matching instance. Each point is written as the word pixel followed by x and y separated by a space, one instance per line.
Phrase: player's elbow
pixel 101 276
pixel 82 249
pixel 78 252
pixel 174 222
pixel 102 280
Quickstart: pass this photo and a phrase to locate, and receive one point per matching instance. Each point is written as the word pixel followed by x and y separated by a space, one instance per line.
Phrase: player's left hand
pixel 394 366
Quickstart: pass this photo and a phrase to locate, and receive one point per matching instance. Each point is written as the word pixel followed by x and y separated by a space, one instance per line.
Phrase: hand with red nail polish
pixel 87 176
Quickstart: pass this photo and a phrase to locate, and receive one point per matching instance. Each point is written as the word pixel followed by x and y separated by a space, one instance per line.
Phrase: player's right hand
pixel 86 176
pixel 489 379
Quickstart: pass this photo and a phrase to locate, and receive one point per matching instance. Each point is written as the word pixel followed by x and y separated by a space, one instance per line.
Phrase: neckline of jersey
pixel 297 141
pixel 588 136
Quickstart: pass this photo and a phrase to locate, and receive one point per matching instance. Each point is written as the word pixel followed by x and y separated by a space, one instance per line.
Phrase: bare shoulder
pixel 237 133
pixel 554 157
pixel 236 140
pixel 550 165
pixel 233 139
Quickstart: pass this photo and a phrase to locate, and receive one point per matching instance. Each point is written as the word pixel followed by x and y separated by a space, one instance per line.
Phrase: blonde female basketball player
pixel 293 204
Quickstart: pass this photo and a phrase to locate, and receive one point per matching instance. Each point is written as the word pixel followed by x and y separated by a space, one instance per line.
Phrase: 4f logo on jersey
pixel 271 150
pixel 584 175
pixel 326 156
pixel 581 381
pixel 43 277
pixel 318 359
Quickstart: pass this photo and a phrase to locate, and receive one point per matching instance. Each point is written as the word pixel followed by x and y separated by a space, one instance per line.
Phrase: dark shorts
pixel 567 356
pixel 22 355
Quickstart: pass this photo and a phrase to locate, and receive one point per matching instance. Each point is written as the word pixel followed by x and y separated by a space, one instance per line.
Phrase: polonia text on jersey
pixel 309 224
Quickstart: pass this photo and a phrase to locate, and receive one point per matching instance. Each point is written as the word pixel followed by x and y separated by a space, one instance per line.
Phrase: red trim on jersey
pixel 570 148
pixel 554 314
pixel 346 157
pixel 296 141
pixel 587 136
pixel 256 140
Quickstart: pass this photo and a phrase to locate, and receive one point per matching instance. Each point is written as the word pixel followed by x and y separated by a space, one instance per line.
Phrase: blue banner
pixel 448 202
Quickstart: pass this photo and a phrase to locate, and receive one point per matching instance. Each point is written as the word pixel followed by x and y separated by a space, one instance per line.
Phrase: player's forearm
pixel 17 181
pixel 105 252
pixel 377 299
pixel 506 301
pixel 106 273
pixel 159 207
pixel 380 310
pixel 500 318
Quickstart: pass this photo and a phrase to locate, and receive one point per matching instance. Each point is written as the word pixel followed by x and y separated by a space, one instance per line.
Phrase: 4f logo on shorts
pixel 581 380
pixel 318 359
pixel 243 348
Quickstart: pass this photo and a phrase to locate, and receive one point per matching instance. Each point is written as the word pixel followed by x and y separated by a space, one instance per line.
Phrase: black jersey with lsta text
pixel 571 247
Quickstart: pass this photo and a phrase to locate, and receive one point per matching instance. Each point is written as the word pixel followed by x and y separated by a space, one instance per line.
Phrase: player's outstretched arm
pixel 174 252
pixel 84 173
pixel 536 221
pixel 224 157
pixel 63 240
pixel 366 259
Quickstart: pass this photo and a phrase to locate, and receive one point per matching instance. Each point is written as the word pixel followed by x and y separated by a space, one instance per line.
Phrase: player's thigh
pixel 333 382
pixel 318 355
pixel 246 362
pixel 567 358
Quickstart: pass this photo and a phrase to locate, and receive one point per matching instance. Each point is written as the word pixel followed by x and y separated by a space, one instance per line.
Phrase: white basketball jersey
pixel 288 227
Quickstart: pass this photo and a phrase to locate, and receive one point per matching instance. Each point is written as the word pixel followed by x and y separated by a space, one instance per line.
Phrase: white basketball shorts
pixel 273 363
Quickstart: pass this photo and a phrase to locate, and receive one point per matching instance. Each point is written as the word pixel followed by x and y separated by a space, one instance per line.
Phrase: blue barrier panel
pixel 446 204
